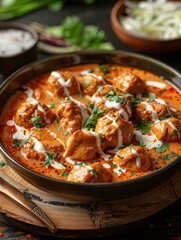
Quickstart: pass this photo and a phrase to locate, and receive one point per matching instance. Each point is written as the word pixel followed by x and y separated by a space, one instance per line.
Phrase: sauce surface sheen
pixel 94 123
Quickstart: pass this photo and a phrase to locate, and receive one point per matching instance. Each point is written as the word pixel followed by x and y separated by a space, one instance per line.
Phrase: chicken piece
pixel 115 130
pixel 70 116
pixel 111 99
pixel 90 81
pixel 28 110
pixel 87 174
pixel 63 83
pixel 130 83
pixel 167 130
pixel 40 142
pixel 150 111
pixel 81 146
pixel 133 158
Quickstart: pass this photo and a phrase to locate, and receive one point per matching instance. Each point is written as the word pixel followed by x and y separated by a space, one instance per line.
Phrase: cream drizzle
pixel 138 159
pixel 119 170
pixel 57 165
pixel 153 113
pixel 82 107
pixel 120 137
pixel 98 142
pixel 172 126
pixel 156 84
pixel 150 141
pixel 33 101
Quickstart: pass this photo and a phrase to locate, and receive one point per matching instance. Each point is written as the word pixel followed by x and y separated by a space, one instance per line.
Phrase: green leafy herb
pixel 119 156
pixel 65 173
pixel 103 139
pixel 135 101
pixel 66 133
pixel 170 156
pixel 49 158
pixel 86 83
pixel 113 165
pixel 81 94
pixel 67 101
pixel 24 190
pixel 3 163
pixel 52 105
pixel 20 142
pixel 37 122
pixel 163 148
pixel 150 96
pixel 126 128
pixel 142 144
pixel 99 88
pixel 57 120
pixel 175 132
pixel 59 128
pixel 94 172
pixel 90 123
pixel 104 68
pixel 74 32
pixel 144 128
pixel 114 97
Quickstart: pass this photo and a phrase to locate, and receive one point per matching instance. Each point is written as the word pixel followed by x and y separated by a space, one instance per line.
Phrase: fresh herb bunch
pixel 73 31
pixel 15 8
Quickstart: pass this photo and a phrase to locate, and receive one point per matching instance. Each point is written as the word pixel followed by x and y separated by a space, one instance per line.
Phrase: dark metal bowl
pixel 89 191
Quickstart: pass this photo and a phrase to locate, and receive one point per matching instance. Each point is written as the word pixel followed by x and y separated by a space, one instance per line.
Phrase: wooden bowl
pixel 143 44
pixel 89 191
pixel 11 62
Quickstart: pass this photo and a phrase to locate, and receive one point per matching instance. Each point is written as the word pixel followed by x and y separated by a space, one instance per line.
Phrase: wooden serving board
pixel 77 217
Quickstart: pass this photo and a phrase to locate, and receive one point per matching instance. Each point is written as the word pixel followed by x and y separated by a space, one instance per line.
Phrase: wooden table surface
pixel 165 225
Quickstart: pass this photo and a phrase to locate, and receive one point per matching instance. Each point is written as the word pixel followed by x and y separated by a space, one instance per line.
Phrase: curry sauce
pixel 94 123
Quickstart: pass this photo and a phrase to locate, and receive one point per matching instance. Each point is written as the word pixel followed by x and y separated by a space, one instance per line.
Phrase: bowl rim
pixel 22 26
pixel 115 23
pixel 90 185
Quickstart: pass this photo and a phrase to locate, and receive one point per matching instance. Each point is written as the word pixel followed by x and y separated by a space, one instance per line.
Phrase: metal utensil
pixel 21 199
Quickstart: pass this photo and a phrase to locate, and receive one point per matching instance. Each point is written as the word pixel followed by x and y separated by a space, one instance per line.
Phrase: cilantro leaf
pixel 3 163
pixel 49 158
pixel 144 128
pixel 169 156
pixel 99 88
pixel 20 142
pixel 104 68
pixel 114 97
pixel 90 123
pixel 163 148
pixel 135 101
pixel 65 173
pixel 150 96
pixel 86 83
pixel 94 172
pixel 36 120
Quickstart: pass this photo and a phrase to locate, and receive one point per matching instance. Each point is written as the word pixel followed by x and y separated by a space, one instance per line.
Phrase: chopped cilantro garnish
pixel 119 156
pixel 25 190
pixel 3 163
pixel 170 156
pixel 102 137
pixel 99 88
pixel 144 128
pixel 86 83
pixel 175 132
pixel 59 128
pixel 65 173
pixel 94 172
pixel 36 120
pixel 20 142
pixel 104 68
pixel 49 158
pixel 57 120
pixel 135 101
pixel 52 105
pixel 163 148
pixel 150 96
pixel 67 101
pixel 113 165
pixel 114 97
pixel 66 133
pixel 142 144
pixel 91 121
pixel 81 94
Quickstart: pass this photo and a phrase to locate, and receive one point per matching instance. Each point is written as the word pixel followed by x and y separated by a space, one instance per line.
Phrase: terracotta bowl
pixel 143 44
pixel 11 62
pixel 89 191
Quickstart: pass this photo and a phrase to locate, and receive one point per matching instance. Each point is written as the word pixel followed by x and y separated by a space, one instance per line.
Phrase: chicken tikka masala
pixel 94 123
